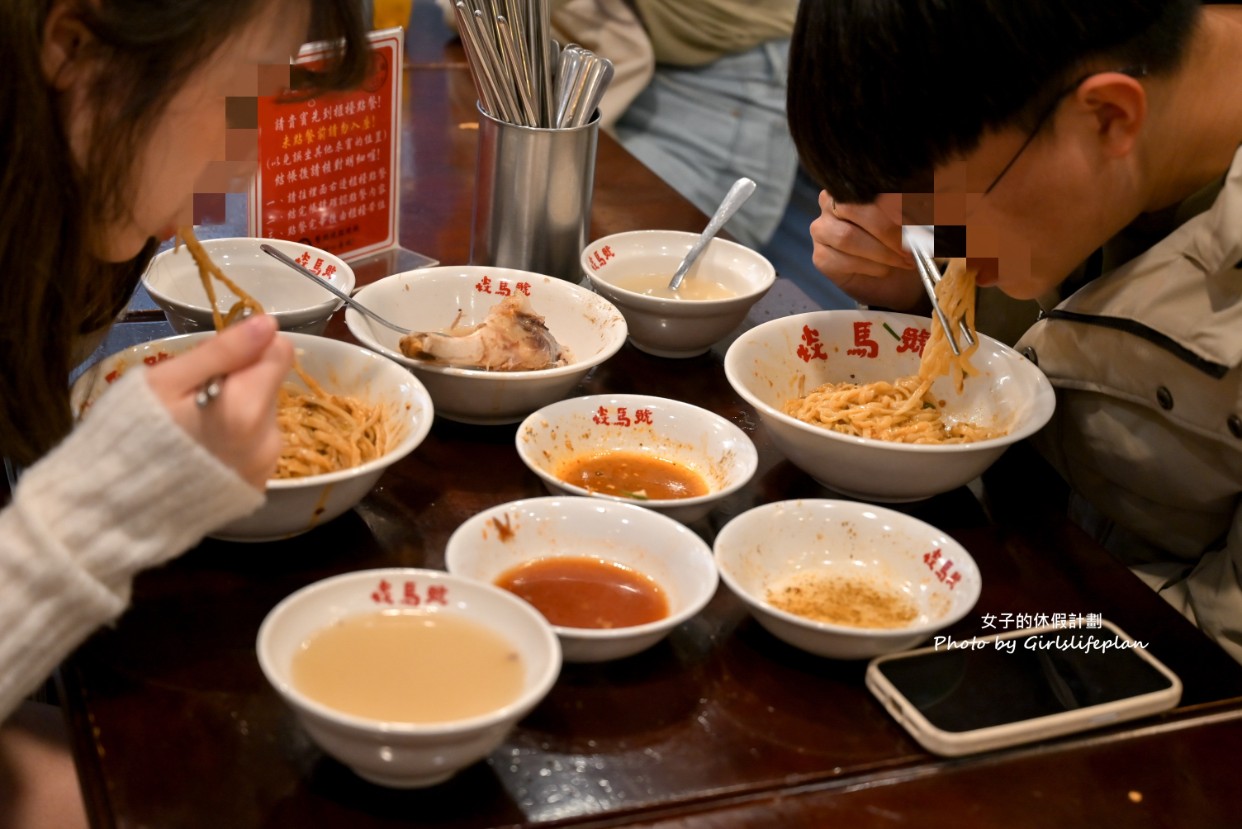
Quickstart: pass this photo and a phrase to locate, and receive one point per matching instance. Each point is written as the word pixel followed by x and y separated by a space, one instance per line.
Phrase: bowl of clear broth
pixel 632 271
pixel 613 579
pixel 845 579
pixel 338 652
pixel 663 454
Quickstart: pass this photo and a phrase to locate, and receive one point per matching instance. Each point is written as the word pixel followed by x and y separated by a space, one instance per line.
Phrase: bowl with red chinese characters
pixel 174 284
pixel 633 269
pixel 844 579
pixel 490 344
pixel 666 455
pixel 612 578
pixel 849 437
pixel 405 675
pixel 328 464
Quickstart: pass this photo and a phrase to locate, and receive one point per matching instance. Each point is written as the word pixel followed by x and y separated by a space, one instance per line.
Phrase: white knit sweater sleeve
pixel 128 489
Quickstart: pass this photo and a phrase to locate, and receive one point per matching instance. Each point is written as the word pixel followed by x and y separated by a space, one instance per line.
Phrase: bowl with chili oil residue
pixel 666 455
pixel 613 578
pixel 845 579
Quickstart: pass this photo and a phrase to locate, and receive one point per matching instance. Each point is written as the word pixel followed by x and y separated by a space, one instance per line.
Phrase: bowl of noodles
pixel 175 283
pixel 841 394
pixel 346 413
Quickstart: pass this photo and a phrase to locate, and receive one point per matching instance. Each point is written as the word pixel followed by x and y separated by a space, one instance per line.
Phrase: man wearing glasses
pixel 1084 155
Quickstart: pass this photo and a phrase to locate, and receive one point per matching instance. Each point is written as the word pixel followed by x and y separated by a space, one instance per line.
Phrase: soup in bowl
pixel 338 653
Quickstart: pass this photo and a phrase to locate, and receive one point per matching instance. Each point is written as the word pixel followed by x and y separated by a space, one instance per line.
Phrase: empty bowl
pixel 844 579
pixel 173 281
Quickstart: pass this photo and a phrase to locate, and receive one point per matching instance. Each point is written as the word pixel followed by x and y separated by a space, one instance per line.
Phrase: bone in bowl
pixel 666 455
pixel 613 579
pixel 784 359
pixel 844 579
pixel 296 505
pixel 405 675
pixel 470 315
pixel 298 305
pixel 633 270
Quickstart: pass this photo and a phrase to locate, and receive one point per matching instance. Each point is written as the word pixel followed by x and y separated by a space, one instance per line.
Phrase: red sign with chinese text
pixel 329 166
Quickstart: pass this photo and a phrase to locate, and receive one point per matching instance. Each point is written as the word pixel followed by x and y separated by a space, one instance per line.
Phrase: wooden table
pixel 721 725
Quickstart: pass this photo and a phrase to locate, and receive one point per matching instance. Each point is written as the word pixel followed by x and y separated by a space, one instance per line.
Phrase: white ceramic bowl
pixel 500 538
pixel 764 546
pixel 656 427
pixel 784 358
pixel 434 299
pixel 669 327
pixel 296 505
pixel 401 754
pixel 298 305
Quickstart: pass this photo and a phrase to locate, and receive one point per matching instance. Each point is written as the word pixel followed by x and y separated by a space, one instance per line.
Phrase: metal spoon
pixel 735 198
pixel 349 300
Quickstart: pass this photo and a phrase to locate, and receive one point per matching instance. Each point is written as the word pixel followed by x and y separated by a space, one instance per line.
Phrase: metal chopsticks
pixel 521 74
pixel 920 243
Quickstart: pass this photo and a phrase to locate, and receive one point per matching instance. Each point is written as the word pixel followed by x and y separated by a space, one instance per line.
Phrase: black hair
pixel 882 91
pixel 53 289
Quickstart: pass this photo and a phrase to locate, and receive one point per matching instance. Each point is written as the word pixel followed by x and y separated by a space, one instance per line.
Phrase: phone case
pixel 954 744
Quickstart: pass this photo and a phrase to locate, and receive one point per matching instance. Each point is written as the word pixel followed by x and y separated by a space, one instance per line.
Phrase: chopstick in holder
pixel 480 70
pixel 521 74
pixel 513 51
pixel 540 43
pixel 513 112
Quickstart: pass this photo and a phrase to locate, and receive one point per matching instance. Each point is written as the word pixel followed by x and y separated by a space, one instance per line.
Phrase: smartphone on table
pixel 959 697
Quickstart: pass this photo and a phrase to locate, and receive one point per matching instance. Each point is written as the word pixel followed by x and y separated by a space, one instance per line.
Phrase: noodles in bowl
pixel 777 362
pixel 322 432
pixel 297 504
pixel 905 410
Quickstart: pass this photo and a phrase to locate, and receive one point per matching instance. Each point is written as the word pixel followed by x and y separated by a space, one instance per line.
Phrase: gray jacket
pixel 1148 428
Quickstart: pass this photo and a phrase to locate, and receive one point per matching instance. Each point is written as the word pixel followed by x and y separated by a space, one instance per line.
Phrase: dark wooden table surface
pixel 721 725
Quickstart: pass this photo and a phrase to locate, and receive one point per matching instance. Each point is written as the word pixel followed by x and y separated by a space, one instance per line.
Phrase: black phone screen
pixel 1021 678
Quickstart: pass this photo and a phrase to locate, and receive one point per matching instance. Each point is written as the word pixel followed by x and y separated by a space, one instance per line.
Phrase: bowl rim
pixel 850 509
pixel 531 696
pixel 1044 399
pixel 750 463
pixel 646 302
pixel 161 298
pixel 705 589
pixel 411 441
pixel 615 325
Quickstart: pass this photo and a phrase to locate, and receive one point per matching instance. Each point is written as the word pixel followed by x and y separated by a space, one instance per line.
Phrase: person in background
pixel 715 109
pixel 1091 153
pixel 110 111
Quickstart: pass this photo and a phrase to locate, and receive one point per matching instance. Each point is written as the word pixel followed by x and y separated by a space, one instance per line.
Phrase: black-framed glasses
pixel 1053 105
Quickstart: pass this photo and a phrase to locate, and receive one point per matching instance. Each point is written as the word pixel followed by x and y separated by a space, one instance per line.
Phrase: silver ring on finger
pixel 209 391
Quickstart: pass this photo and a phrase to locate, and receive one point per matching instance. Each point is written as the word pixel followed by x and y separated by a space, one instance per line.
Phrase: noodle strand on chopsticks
pixel 905 410
pixel 323 432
